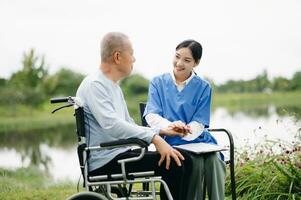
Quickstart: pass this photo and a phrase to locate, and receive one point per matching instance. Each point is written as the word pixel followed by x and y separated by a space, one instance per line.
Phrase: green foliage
pixel 134 85
pixel 63 83
pixel 2 82
pixel 280 84
pixel 33 72
pixel 25 85
pixel 296 81
pixel 261 84
pixel 32 85
pixel 135 89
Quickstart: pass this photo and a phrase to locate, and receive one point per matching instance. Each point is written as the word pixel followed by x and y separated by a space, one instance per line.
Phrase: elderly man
pixel 107 119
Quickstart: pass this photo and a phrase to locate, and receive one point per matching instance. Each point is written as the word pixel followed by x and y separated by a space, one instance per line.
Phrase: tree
pixel 2 82
pixel 296 81
pixel 262 82
pixel 135 84
pixel 63 83
pixel 28 82
pixel 280 84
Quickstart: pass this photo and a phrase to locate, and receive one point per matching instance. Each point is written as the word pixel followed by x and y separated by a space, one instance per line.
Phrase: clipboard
pixel 200 148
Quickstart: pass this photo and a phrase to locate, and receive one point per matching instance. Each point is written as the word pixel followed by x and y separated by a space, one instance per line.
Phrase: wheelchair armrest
pixel 230 137
pixel 125 142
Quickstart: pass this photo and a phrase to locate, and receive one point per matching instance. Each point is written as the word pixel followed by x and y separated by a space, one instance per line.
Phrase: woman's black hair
pixel 195 48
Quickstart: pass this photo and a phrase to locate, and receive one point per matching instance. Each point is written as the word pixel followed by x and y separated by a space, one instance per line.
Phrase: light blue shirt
pixel 107 118
pixel 192 103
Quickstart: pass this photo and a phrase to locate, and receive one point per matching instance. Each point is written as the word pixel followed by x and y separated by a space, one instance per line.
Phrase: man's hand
pixel 166 152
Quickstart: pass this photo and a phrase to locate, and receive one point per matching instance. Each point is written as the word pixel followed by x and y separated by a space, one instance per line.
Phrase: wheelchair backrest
pixel 81 136
pixel 80 122
pixel 142 108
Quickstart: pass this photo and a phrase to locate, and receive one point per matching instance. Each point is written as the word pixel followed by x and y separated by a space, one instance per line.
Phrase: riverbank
pixel 31 183
pixel 24 119
pixel 242 100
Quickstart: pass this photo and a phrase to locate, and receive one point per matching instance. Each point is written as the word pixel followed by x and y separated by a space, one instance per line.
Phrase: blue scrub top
pixel 191 104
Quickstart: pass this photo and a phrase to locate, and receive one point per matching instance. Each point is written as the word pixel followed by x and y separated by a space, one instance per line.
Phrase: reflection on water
pixel 52 150
pixel 251 126
pixel 55 150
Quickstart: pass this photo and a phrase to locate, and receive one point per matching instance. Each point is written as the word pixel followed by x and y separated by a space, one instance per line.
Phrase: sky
pixel 240 39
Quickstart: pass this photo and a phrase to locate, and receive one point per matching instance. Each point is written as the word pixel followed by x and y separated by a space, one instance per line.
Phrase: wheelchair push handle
pixel 70 101
pixel 59 100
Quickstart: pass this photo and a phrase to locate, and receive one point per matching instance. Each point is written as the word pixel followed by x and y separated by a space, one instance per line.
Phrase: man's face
pixel 127 59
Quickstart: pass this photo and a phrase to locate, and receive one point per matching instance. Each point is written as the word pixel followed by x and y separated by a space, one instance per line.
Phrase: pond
pixel 55 150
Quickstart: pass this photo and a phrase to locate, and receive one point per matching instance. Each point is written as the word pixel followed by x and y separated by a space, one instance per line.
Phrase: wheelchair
pixel 110 186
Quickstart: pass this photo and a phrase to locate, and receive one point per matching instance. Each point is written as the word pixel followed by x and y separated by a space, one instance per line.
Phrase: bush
pixel 135 84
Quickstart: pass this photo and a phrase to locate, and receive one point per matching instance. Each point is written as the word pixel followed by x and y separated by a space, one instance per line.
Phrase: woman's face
pixel 183 63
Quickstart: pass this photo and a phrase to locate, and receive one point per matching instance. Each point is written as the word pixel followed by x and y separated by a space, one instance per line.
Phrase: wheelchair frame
pixel 105 184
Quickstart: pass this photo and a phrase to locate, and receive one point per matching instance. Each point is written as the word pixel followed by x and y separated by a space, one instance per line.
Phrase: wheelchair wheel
pixel 87 196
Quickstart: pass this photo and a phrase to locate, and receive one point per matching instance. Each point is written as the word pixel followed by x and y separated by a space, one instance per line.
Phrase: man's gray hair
pixel 113 41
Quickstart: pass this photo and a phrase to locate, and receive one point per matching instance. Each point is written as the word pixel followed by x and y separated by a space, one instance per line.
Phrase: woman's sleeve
pixel 153 102
pixel 202 112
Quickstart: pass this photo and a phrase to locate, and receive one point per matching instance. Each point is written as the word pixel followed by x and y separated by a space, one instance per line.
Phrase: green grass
pixel 237 101
pixel 31 183
pixel 25 119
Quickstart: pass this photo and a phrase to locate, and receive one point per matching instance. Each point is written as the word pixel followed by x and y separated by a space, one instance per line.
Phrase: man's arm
pixel 104 112
pixel 100 101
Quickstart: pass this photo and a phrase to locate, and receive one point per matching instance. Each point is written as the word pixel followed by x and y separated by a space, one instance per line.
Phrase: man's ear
pixel 116 57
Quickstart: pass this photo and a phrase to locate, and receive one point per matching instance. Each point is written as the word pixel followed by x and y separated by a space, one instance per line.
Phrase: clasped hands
pixel 176 128
pixel 179 128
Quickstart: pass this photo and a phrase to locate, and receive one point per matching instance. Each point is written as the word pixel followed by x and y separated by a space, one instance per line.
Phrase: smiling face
pixel 183 63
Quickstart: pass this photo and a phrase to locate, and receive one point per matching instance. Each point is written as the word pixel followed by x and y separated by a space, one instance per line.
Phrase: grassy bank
pixel 30 183
pixel 242 100
pixel 23 119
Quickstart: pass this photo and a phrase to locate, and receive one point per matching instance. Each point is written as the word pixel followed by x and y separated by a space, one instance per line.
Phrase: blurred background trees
pixel 32 84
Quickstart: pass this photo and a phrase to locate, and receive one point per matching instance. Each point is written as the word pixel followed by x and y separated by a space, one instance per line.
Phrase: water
pixel 55 151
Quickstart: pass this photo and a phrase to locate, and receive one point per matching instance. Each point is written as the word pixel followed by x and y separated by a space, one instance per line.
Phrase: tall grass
pixel 272 171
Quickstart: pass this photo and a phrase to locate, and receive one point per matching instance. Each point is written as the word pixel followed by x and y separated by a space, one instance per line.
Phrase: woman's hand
pixel 172 132
pixel 180 127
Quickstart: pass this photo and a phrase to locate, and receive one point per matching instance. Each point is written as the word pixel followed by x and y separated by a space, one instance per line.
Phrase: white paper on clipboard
pixel 201 147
